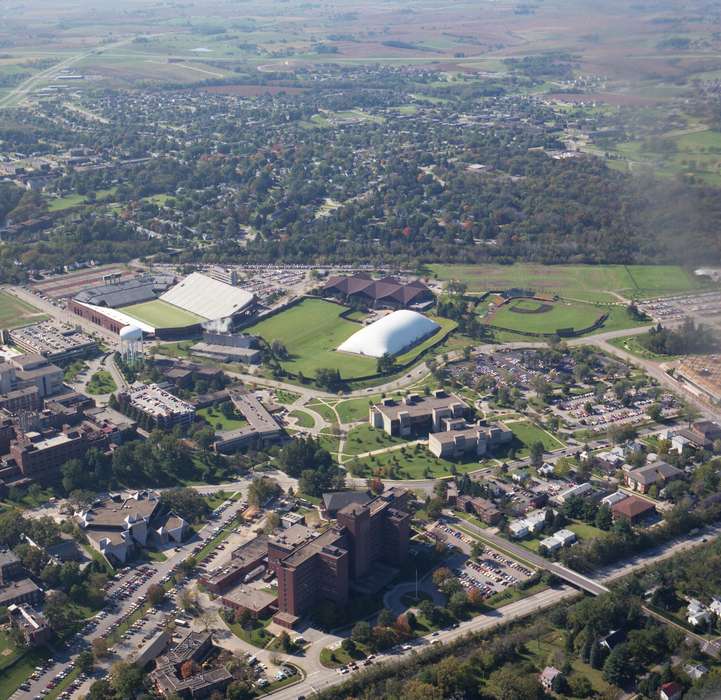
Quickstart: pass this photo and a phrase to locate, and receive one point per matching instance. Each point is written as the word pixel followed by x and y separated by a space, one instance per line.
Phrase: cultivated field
pixel 160 314
pixel 584 282
pixel 15 312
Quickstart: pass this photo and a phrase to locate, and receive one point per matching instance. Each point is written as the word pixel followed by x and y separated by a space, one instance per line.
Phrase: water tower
pixel 131 344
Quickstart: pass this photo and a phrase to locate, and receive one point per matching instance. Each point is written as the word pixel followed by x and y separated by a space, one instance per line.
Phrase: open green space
pixel 160 314
pixel 310 332
pixel 15 312
pixel 530 316
pixel 257 635
pixel 76 200
pixel 363 438
pixel 313 329
pixel 528 433
pixel 215 417
pixel 303 419
pixel 632 344
pixel 101 382
pixel 16 665
pixel 584 282
pixel 285 397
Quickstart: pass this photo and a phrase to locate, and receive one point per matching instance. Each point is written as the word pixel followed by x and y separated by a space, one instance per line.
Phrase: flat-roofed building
pixel 323 568
pixel 163 408
pixel 258 603
pixel 416 414
pixel 53 340
pixel 460 438
pixel 243 560
pixel 10 566
pixel 21 591
pixel 262 428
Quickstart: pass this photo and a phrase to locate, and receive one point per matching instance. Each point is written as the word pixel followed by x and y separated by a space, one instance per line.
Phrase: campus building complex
pixel 365 537
pixel 416 414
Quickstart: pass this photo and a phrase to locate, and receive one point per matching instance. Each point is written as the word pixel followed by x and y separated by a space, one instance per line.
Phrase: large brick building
pixel 324 568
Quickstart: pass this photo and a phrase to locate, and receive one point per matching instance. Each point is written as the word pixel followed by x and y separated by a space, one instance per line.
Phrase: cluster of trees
pixel 312 464
pixel 688 339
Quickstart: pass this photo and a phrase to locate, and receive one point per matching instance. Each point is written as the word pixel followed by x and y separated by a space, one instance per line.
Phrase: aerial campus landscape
pixel 360 350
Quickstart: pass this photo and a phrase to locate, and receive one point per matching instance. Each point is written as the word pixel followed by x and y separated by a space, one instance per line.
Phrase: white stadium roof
pixel 391 334
pixel 207 297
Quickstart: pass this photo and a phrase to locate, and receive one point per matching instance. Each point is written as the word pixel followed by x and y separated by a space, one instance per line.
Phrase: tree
pixel 100 647
pixel 156 594
pixel 187 503
pixel 617 668
pixel 513 683
pixel 59 613
pixel 125 678
pixel 279 349
pixel 85 661
pixel 604 517
pixel 537 451
pixel 361 632
pixel 386 364
pixel 349 646
pixel 385 618
pixel 285 642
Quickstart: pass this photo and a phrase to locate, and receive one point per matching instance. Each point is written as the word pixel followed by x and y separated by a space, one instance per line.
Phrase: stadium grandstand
pixel 163 309
pixel 391 335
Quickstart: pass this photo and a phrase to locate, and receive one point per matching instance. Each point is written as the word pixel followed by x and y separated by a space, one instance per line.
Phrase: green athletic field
pixel 521 315
pixel 14 312
pixel 313 329
pixel 585 282
pixel 160 314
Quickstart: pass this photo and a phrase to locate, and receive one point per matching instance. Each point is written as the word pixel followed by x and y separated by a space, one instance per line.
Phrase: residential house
pixel 657 474
pixel 548 677
pixel 671 691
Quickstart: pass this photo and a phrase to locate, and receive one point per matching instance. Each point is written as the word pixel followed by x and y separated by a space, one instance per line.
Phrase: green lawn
pixel 630 343
pixel 304 420
pixel 160 314
pixel 528 433
pixel 101 383
pixel 15 312
pixel 586 282
pixel 415 464
pixel 257 635
pixel 363 438
pixel 285 397
pixel 324 410
pixel 521 316
pixel 311 331
pixel 355 409
pixel 214 417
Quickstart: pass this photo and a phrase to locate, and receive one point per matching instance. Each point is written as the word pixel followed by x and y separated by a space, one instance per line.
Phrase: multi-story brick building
pixel 325 567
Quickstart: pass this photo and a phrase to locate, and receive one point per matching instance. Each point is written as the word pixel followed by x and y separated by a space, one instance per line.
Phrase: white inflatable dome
pixel 391 334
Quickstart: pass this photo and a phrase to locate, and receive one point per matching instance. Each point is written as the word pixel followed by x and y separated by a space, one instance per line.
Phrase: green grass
pixel 511 595
pixel 303 419
pixel 363 438
pixel 15 312
pixel 632 344
pixel 257 635
pixel 101 383
pixel 160 314
pixel 528 433
pixel 11 678
pixel 335 658
pixel 415 464
pixel 585 282
pixel 324 410
pixel 313 329
pixel 354 410
pixel 285 397
pixel 560 315
pixel 77 200
pixel 179 349
pixel 72 370
pixel 215 417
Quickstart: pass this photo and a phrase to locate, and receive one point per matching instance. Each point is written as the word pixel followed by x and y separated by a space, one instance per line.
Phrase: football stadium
pixel 162 308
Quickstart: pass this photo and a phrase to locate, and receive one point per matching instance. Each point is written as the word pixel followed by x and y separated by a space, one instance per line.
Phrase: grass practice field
pixel 531 316
pixel 14 312
pixel 585 282
pixel 160 314
pixel 313 329
pixel 310 332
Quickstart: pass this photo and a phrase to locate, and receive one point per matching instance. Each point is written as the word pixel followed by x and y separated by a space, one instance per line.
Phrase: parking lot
pixel 494 572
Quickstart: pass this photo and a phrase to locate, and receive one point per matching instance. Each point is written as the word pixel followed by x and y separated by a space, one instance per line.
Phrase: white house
pixel 697 613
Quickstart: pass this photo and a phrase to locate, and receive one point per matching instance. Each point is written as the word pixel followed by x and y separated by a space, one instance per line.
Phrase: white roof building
pixel 391 334
pixel 206 297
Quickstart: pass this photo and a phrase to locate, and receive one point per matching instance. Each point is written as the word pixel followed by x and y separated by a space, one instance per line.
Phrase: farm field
pixel 584 282
pixel 14 312
pixel 531 316
pixel 160 314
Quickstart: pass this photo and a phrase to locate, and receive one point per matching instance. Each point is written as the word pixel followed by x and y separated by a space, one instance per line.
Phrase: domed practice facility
pixel 391 335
